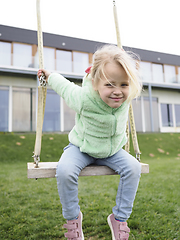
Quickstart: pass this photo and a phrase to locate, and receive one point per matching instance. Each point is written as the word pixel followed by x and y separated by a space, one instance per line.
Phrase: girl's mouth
pixel 117 99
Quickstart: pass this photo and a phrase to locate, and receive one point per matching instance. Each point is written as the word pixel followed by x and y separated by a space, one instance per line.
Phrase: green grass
pixel 30 209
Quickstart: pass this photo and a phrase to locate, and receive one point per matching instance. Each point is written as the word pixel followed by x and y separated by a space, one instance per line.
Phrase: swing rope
pixel 131 115
pixel 42 91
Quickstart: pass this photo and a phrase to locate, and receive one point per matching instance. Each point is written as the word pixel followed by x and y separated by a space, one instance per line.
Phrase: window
pixel 137 111
pixel 155 114
pixel 52 112
pixel 80 62
pixel 177 114
pixel 63 61
pixel 33 109
pixel 146 72
pixel 157 71
pixel 147 114
pixel 4 107
pixel 69 117
pixel 170 74
pixel 22 55
pixel 5 53
pixel 166 113
pixel 49 58
pixel 178 74
pixel 23 109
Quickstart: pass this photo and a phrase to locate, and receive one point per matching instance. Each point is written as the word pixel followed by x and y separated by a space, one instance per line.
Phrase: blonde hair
pixel 129 61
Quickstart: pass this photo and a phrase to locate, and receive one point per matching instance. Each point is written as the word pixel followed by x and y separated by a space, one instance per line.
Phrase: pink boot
pixel 74 228
pixel 119 230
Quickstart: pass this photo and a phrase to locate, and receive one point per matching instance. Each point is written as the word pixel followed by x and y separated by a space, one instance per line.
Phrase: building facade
pixel 157 110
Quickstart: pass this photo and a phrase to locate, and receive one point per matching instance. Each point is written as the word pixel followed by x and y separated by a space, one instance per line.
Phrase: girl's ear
pixel 93 84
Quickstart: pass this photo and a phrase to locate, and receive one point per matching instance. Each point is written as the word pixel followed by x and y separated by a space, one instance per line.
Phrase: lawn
pixel 30 209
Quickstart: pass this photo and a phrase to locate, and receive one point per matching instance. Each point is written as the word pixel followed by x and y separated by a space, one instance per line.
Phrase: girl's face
pixel 116 90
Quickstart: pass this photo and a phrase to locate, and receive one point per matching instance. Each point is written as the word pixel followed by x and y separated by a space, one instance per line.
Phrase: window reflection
pixel 80 62
pixel 4 108
pixel 22 55
pixel 52 112
pixel 166 113
pixel 21 109
pixel 177 114
pixel 49 58
pixel 178 74
pixel 5 53
pixel 157 73
pixel 69 117
pixel 145 71
pixel 170 74
pixel 136 103
pixel 63 61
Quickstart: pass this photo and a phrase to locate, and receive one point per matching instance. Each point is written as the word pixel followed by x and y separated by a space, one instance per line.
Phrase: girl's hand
pixel 45 72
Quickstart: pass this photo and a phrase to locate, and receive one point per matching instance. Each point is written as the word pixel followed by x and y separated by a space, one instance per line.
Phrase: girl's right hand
pixel 45 72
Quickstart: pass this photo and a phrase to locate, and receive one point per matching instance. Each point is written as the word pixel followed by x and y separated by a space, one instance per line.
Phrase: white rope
pixel 39 35
pixel 42 91
pixel 131 115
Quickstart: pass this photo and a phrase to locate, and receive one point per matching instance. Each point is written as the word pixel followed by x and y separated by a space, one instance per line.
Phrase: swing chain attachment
pixel 138 156
pixel 42 80
pixel 36 160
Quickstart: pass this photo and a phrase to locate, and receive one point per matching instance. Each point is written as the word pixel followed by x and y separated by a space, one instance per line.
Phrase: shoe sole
pixel 81 225
pixel 110 225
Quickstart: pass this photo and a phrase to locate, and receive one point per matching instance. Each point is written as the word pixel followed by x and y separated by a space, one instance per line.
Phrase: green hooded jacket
pixel 99 131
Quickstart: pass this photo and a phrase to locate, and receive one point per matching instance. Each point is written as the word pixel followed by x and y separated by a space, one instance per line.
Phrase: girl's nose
pixel 117 91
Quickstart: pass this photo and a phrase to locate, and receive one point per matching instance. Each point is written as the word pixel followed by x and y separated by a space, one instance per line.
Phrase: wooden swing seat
pixel 48 170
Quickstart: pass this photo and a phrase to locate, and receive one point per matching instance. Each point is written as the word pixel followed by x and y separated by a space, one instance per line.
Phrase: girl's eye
pixel 108 85
pixel 124 85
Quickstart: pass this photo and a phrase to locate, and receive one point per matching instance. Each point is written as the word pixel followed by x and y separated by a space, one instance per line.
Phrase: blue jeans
pixel 73 161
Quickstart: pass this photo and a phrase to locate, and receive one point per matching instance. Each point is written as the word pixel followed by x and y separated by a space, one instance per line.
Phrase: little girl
pixel 101 105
